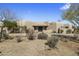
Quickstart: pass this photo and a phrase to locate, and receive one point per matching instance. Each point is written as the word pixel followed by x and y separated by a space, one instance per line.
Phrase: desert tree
pixel 7 18
pixel 72 14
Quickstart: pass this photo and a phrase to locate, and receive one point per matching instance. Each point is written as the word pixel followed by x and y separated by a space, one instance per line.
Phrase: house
pixel 22 24
pixel 67 28
pixel 58 27
pixel 40 26
pixel 55 27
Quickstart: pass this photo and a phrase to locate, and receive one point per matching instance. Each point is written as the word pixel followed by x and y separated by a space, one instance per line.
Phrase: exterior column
pixel 43 28
pixel 36 28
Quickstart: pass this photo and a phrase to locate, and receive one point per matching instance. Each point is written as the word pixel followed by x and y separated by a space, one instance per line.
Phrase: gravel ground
pixel 34 48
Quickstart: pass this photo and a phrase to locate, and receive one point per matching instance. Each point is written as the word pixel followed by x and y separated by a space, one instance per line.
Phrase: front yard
pixel 37 48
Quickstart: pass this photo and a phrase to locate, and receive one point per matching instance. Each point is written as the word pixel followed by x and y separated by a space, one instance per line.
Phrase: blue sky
pixel 36 11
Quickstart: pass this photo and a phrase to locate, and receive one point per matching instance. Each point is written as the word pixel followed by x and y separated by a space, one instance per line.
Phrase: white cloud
pixel 65 7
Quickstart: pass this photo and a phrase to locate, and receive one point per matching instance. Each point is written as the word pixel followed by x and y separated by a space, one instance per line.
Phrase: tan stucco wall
pixel 25 23
pixel 58 25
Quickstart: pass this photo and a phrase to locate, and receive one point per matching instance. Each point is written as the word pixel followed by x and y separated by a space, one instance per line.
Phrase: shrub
pixel 26 30
pixel 64 38
pixel 19 39
pixel 76 31
pixel 52 41
pixel 77 53
pixel 68 31
pixel 4 35
pixel 53 31
pixel 42 35
pixel 0 53
pixel 31 34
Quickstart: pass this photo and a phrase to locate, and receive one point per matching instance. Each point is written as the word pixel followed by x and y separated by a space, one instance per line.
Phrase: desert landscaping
pixel 46 34
pixel 36 47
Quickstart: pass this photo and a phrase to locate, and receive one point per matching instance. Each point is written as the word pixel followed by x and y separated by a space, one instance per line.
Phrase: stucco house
pixel 55 27
pixel 58 27
pixel 40 26
pixel 22 24
pixel 37 26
